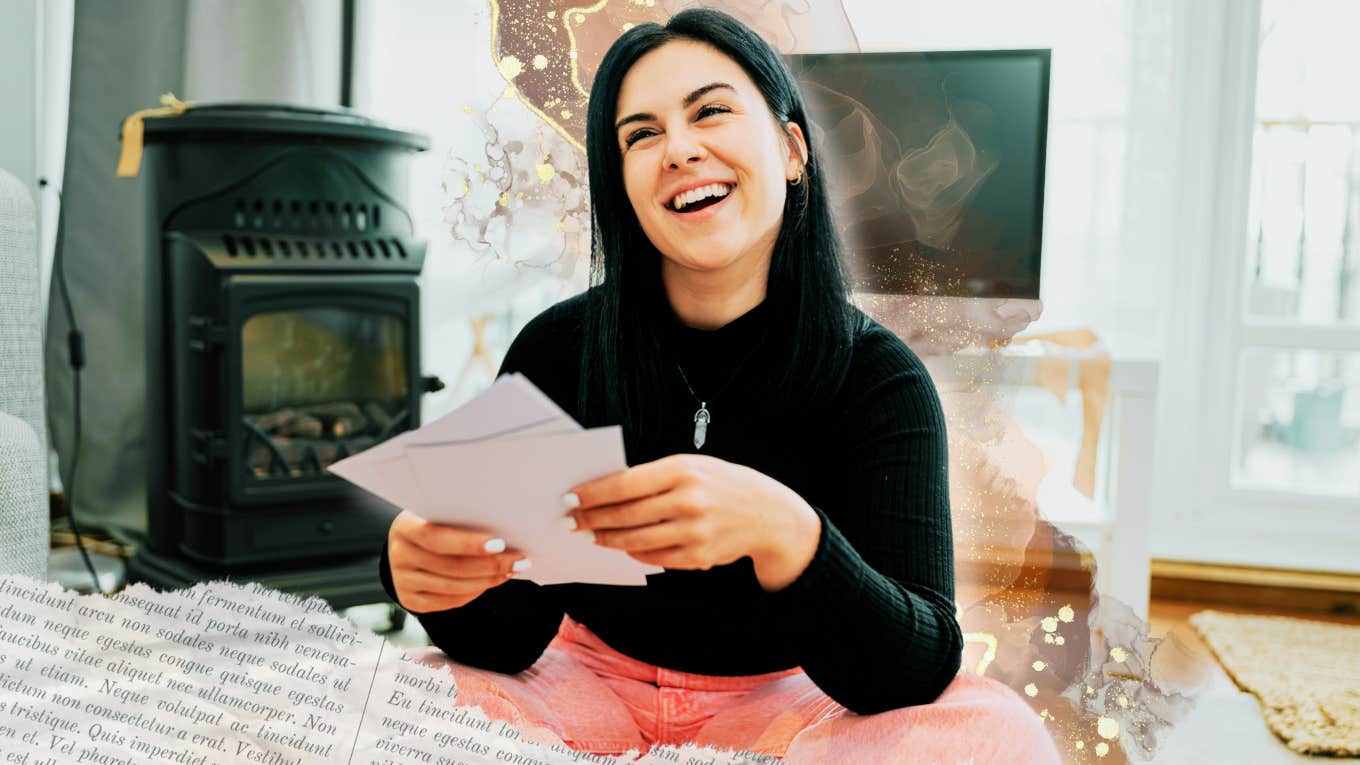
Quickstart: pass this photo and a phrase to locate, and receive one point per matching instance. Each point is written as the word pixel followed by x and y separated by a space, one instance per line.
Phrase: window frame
pixel 1201 515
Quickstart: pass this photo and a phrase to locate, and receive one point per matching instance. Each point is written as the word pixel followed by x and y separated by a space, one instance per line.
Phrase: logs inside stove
pixel 297 442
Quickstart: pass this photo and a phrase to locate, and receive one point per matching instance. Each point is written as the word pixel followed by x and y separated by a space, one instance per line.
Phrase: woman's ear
pixel 798 150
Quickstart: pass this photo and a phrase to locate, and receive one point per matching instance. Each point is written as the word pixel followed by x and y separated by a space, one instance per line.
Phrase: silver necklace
pixel 702 417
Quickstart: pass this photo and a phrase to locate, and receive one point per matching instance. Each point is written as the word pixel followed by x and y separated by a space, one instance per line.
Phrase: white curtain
pixel 263 50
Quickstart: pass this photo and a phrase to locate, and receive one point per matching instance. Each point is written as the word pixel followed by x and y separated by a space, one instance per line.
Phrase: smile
pixel 701 204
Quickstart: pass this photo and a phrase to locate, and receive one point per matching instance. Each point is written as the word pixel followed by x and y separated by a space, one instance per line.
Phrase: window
pixel 1276 401
pixel 1298 416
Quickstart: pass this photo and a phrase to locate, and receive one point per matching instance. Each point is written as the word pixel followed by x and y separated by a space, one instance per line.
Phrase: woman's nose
pixel 682 148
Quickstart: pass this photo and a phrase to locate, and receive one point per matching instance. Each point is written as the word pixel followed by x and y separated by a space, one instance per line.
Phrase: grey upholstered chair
pixel 23 439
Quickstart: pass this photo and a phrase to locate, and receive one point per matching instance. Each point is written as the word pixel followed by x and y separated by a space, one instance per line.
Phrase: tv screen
pixel 935 166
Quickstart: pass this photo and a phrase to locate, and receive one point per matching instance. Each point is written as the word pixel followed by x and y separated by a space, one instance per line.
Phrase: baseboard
pixel 1252 586
pixel 1229 585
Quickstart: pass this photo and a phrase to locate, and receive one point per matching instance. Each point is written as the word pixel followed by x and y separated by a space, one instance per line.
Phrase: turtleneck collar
pixel 741 331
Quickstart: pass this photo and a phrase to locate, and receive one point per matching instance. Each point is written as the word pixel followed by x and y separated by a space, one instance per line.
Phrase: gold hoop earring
pixel 797 180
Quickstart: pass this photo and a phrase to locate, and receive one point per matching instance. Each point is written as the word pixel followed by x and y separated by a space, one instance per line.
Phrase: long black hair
pixel 623 361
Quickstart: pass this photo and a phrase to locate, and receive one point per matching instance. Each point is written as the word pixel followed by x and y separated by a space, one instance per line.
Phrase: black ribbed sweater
pixel 872 618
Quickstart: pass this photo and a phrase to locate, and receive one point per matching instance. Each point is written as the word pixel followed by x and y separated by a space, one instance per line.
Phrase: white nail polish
pixel 571 501
pixel 569 523
pixel 494 545
pixel 523 565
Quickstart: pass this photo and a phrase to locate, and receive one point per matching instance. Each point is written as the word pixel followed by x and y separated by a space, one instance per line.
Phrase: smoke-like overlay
pixel 1027 601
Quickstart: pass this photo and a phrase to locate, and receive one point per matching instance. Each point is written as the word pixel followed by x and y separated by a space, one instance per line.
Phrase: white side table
pixel 1118 531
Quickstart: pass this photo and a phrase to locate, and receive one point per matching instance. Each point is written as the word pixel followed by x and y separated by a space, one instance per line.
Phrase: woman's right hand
pixel 437 567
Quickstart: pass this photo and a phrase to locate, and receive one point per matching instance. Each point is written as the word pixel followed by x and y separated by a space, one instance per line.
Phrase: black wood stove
pixel 282 335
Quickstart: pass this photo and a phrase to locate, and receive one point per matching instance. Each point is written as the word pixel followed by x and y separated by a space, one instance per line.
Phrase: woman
pixel 789 460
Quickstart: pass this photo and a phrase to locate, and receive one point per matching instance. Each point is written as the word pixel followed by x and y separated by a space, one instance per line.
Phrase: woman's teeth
pixel 703 192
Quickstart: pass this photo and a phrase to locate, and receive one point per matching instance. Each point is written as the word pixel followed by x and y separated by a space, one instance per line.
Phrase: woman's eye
pixel 636 136
pixel 705 111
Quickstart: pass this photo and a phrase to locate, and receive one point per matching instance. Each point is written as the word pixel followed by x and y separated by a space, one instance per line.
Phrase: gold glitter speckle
pixel 1058 640
pixel 1107 727
pixel 1066 613
pixel 1118 654
pixel 1031 690
pixel 545 172
pixel 1050 623
pixel 989 655
pixel 1039 666
pixel 1048 639
pixel 1102 749
pixel 1124 702
pixel 504 201
pixel 552 14
pixel 511 67
pixel 1080 745
pixel 540 61
pixel 566 114
pixel 467 109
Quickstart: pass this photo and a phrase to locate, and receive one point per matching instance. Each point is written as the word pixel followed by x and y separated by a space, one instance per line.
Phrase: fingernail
pixel 494 545
pixel 589 535
pixel 569 523
pixel 571 501
pixel 523 565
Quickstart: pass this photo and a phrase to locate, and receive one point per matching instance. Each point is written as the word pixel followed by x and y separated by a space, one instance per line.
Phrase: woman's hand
pixel 437 567
pixel 691 511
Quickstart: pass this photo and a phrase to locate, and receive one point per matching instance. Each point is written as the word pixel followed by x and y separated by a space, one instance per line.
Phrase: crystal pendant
pixel 701 419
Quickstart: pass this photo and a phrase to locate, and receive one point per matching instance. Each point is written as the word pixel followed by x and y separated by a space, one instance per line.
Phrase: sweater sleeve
pixel 507 627
pixel 873 615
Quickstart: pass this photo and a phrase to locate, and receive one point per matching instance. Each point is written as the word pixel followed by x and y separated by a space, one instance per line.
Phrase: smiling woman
pixel 706 170
pixel 789 465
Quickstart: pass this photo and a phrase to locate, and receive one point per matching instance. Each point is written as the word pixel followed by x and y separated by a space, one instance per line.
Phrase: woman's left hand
pixel 692 511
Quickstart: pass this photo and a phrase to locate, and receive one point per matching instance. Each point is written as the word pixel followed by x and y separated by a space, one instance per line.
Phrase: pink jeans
pixel 598 700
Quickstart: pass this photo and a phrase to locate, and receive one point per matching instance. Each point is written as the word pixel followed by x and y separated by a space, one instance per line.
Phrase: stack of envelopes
pixel 500 463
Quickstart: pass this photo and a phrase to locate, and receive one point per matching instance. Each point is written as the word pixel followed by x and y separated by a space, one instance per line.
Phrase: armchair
pixel 23 437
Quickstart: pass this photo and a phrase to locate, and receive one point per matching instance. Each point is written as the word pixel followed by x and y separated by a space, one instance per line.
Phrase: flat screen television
pixel 935 165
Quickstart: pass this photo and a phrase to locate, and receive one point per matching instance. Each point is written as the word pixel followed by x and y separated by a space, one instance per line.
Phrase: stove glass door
pixel 318 384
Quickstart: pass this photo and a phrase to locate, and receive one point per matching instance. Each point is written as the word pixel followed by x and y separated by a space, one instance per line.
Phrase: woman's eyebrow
pixel 688 101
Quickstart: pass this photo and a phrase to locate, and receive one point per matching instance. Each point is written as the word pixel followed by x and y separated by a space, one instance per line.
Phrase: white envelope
pixel 395 478
pixel 510 403
pixel 500 463
pixel 513 488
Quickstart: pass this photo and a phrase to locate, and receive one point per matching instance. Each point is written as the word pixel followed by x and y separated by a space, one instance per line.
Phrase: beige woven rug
pixel 1305 673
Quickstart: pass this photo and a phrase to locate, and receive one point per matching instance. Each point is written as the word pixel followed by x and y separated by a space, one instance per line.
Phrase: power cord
pixel 75 344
